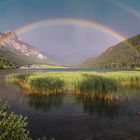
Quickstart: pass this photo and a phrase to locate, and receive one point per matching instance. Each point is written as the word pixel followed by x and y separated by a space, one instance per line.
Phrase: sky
pixel 71 43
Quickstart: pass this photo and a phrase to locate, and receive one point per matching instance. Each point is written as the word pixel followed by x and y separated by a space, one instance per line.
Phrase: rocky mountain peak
pixel 11 41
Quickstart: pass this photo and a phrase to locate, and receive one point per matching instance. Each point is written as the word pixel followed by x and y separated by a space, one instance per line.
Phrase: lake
pixel 71 117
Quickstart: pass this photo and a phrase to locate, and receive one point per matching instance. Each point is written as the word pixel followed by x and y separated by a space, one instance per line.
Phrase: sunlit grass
pixel 76 82
pixel 45 85
pixel 97 83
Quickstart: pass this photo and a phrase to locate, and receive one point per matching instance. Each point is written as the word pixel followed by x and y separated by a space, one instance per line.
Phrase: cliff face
pixel 19 52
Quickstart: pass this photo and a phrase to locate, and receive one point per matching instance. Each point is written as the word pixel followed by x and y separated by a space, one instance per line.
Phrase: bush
pixel 12 126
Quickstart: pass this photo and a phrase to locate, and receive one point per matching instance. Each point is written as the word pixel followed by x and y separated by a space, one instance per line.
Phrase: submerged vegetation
pixel 90 83
pixel 46 103
pixel 105 108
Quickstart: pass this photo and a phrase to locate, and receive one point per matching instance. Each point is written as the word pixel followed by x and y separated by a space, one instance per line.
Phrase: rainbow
pixel 78 22
pixel 127 8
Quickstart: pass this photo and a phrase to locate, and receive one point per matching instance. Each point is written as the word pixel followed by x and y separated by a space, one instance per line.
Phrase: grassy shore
pixel 76 82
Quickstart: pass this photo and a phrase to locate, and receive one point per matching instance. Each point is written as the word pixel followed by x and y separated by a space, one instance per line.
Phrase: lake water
pixel 68 117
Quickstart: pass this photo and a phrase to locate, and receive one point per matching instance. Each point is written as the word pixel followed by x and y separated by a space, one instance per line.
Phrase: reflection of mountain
pixel 18 52
pixel 104 108
pixel 46 103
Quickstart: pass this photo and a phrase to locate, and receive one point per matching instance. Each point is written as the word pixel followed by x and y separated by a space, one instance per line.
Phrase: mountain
pixel 18 52
pixel 124 54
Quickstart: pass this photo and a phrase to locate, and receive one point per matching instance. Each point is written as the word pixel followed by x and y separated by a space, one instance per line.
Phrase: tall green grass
pixel 76 82
pixel 97 83
pixel 45 84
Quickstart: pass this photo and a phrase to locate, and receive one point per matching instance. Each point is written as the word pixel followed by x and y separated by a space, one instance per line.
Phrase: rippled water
pixel 69 117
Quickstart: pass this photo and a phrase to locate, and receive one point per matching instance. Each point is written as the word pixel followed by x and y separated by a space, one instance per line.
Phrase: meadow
pixel 88 83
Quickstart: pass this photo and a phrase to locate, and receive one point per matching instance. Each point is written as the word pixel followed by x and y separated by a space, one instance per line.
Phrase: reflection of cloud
pixel 128 9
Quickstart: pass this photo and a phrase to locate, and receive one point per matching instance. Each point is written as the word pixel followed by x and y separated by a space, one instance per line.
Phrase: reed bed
pixel 97 84
pixel 76 82
pixel 45 85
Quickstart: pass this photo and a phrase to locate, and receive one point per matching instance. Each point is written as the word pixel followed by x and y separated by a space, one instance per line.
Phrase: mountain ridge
pixel 18 52
pixel 124 54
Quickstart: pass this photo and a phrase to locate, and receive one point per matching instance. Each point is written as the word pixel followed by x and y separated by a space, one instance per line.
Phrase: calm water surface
pixel 68 117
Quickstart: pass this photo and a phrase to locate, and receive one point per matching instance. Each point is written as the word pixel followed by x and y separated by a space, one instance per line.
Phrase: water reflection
pixel 70 121
pixel 108 108
pixel 45 103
